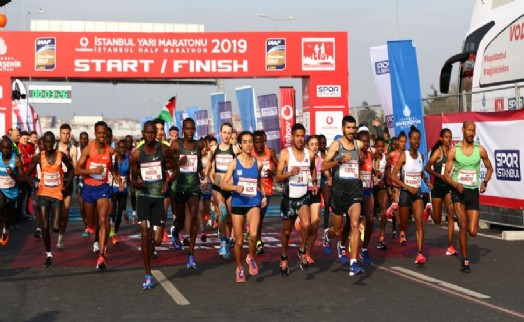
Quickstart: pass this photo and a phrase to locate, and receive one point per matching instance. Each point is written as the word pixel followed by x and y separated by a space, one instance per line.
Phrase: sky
pixel 436 27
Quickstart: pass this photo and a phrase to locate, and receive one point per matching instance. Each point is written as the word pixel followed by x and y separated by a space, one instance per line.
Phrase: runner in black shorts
pixel 148 173
pixel 441 192
pixel 295 165
pixel 465 159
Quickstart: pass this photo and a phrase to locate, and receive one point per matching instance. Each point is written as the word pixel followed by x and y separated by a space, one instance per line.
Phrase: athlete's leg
pixel 354 219
pixel 303 214
pixel 314 214
pixel 102 206
pixel 436 203
pixel 369 215
pixel 381 198
pixel 238 223
pixel 418 214
pixel 254 223
pixel 451 221
pixel 325 196
pixel 192 205
pixel 287 225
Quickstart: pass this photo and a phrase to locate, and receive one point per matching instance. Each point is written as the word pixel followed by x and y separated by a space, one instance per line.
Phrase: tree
pixel 439 104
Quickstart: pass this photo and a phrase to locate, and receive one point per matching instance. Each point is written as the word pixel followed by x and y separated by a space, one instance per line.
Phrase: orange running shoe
pixel 253 268
pixel 420 259
pixel 164 239
pixel 389 211
pixel 428 212
pixel 101 263
pixel 240 276
pixel 451 251
pixel 309 259
pixel 4 238
pixel 115 239
pixel 91 229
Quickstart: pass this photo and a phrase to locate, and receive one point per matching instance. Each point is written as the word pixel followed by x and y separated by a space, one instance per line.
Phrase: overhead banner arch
pixel 319 58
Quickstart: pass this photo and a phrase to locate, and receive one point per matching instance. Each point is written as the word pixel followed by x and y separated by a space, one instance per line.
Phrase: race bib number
pixel 250 186
pixel 191 164
pixel 300 179
pixel 7 182
pixel 412 179
pixel 151 171
pixel 467 177
pixel 366 179
pixel 349 170
pixel 52 179
pixel 99 177
pixel 222 161
pixel 266 167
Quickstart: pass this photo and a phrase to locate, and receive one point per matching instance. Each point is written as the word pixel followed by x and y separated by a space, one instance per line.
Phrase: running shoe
pixel 298 224
pixel 355 269
pixel 86 233
pixel 284 268
pixel 451 251
pixel 203 238
pixel 381 245
pixel 60 242
pixel 185 242
pixel 420 259
pixel 364 254
pixel 310 260
pixel 393 234
pixel 191 262
pixel 465 266
pixel 114 239
pixel 222 249
pixel 260 248
pixel 126 217
pixel 148 283
pixel 48 262
pixel 96 247
pixel 342 257
pixel 302 258
pixel 253 268
pixel 326 243
pixel 101 263
pixel 428 212
pixel 177 245
pixel 38 233
pixel 90 230
pixel 227 248
pixel 240 276
pixel 164 237
pixel 112 232
pixel 403 240
pixel 390 210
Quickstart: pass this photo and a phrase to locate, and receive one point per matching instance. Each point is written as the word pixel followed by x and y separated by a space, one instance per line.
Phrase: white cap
pixel 362 129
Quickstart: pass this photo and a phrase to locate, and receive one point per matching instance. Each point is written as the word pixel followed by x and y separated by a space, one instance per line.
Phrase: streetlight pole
pixel 276 20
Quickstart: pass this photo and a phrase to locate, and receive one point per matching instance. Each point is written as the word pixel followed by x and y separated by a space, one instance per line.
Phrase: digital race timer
pixel 49 94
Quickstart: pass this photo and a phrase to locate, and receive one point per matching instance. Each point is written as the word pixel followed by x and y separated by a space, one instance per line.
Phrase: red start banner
pixel 320 57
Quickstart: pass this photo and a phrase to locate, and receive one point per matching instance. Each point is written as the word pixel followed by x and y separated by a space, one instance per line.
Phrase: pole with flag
pixel 168 111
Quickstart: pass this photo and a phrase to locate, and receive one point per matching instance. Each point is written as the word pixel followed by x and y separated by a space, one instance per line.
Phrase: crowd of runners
pixel 358 176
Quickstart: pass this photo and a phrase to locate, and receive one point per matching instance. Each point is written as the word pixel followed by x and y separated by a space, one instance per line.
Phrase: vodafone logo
pixel 84 41
pixel 286 112
pixel 329 120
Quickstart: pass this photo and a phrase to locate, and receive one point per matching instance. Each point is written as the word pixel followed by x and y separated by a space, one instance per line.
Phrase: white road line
pixel 170 288
pixel 442 283
pixel 444 287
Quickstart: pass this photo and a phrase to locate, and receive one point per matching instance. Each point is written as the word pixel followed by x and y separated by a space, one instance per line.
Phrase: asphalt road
pixel 393 288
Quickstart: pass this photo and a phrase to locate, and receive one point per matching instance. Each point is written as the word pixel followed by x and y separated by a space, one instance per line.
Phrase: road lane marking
pixel 170 288
pixel 430 282
pixel 441 283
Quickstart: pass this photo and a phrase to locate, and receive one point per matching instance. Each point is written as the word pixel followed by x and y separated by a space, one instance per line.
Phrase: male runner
pixel 186 188
pixel 66 146
pixel 464 159
pixel 148 173
pixel 346 192
pixel 95 165
pixel 50 188
pixel 295 165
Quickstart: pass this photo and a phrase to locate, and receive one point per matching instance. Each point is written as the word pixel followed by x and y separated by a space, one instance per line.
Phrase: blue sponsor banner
pixel 179 118
pixel 216 98
pixel 270 124
pixel 246 107
pixel 405 91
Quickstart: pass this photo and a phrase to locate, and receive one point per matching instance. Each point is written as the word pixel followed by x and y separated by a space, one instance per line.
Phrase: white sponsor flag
pixel 380 66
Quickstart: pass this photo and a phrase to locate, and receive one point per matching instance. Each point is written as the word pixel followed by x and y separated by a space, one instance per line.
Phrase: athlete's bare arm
pixel 449 167
pixel 283 160
pixel 70 170
pixel 81 164
pixel 329 162
pixel 437 155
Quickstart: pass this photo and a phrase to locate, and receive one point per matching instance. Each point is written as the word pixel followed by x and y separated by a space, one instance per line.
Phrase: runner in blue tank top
pixel 120 189
pixel 11 174
pixel 247 197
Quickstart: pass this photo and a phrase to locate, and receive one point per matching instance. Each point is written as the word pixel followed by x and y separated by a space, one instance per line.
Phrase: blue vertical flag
pixel 246 107
pixel 216 98
pixel 405 91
